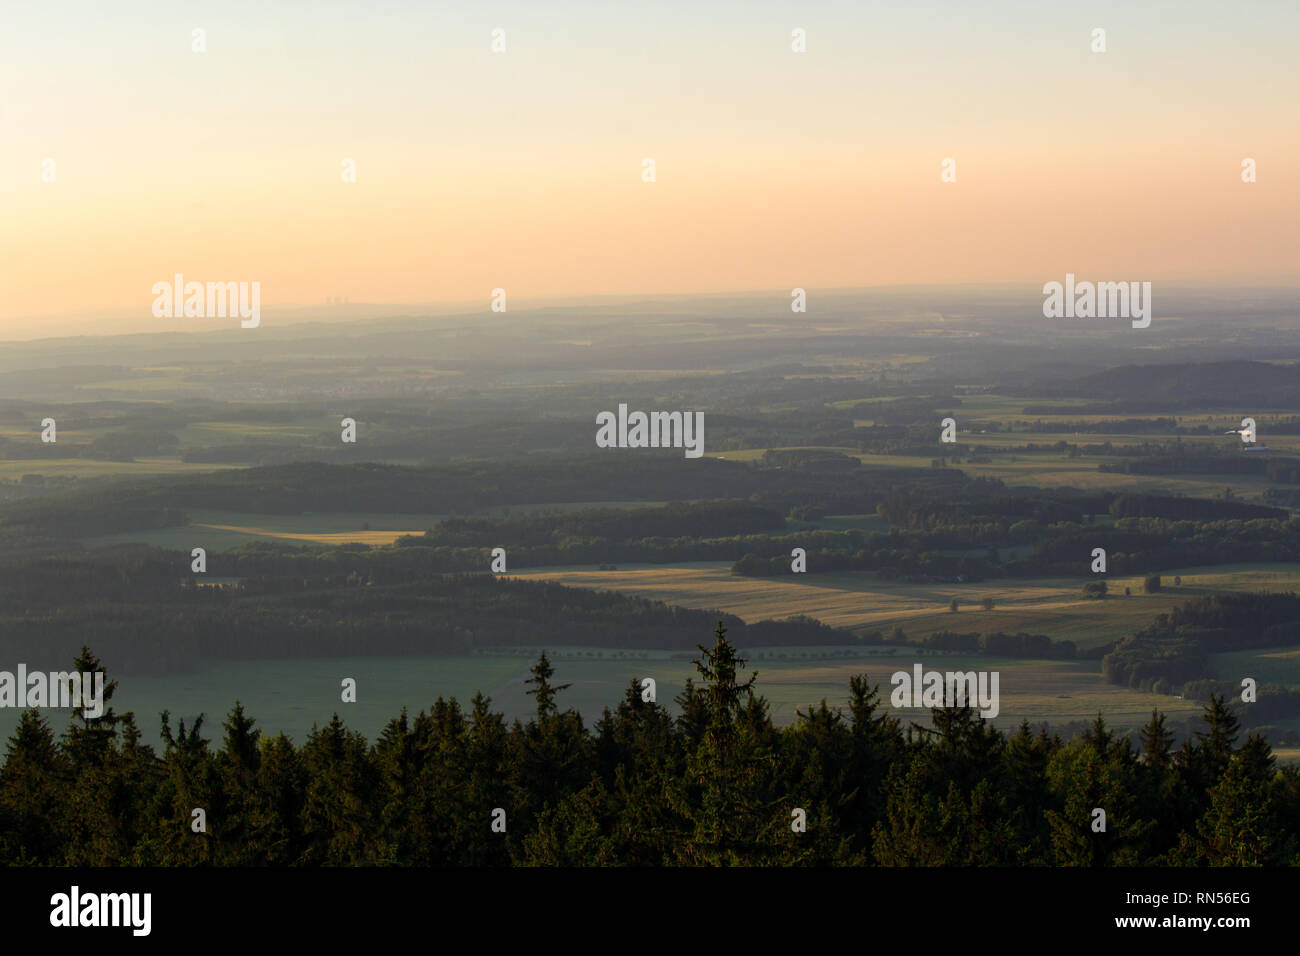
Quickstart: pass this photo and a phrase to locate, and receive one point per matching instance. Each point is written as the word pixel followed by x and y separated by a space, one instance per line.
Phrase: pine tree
pixel 1257 758
pixel 397 766
pixel 816 755
pixel 339 801
pixel 188 781
pixel 1216 742
pixel 236 766
pixel 875 747
pixel 693 720
pixel 572 833
pixel 487 784
pixel 1157 743
pixel 241 744
pixel 1027 755
pixel 443 824
pixel 545 691
pixel 1099 736
pixel 100 833
pixel 724 793
pixel 1161 786
pixel 1083 780
pixel 32 783
pixel 277 819
pixel 917 830
pixel 1239 829
pixel 636 752
pixel 89 739
pixel 550 757
pixel 726 697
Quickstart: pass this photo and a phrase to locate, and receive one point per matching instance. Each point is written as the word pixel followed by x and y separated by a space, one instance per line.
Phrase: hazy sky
pixel 523 169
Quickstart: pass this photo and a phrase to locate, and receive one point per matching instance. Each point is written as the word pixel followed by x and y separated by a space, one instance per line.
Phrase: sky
pixel 523 169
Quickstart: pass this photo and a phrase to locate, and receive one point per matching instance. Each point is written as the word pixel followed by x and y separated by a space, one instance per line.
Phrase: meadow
pixel 1281 664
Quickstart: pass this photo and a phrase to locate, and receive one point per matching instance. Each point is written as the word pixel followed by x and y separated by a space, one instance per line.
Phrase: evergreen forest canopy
pixel 717 785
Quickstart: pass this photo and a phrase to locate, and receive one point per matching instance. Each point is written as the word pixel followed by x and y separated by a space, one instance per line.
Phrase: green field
pixel 221 433
pixel 1280 664
pixel 143 384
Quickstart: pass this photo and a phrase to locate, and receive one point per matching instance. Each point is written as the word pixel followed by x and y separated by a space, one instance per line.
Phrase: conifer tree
pixel 397 767
pixel 1240 828
pixel 1082 780
pixel 1099 736
pixel 722 795
pixel 89 739
pixel 236 767
pixel 550 755
pixel 100 834
pixel 1028 797
pixel 277 820
pixel 1257 758
pixel 488 783
pixel 545 691
pixel 875 746
pixel 1217 740
pixel 32 783
pixel 693 720
pixel 915 830
pixel 572 833
pixel 1157 743
pixel 637 752
pixel 240 748
pixel 339 801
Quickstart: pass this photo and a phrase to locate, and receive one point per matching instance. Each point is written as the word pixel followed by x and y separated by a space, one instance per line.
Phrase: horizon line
pixel 456 307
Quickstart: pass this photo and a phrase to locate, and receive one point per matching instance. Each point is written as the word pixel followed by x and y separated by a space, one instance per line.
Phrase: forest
pixel 1175 647
pixel 137 605
pixel 718 785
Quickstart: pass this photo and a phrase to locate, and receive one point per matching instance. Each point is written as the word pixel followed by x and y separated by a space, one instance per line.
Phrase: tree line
pixel 143 607
pixel 718 784
pixel 1175 648
pixel 455 489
